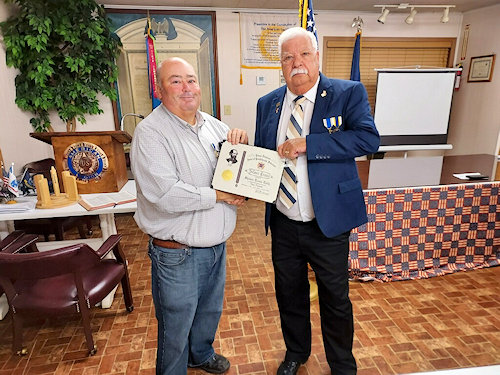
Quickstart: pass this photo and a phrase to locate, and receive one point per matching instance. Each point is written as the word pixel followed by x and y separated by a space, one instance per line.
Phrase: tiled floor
pixel 446 322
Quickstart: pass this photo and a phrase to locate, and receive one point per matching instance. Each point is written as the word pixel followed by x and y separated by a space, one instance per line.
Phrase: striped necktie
pixel 288 187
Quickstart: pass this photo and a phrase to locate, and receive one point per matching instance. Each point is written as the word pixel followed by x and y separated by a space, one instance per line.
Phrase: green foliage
pixel 65 53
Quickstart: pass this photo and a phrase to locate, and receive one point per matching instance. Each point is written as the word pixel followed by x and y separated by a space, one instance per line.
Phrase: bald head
pixel 178 88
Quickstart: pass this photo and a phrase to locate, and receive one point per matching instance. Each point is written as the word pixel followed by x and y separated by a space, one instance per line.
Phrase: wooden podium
pixel 96 159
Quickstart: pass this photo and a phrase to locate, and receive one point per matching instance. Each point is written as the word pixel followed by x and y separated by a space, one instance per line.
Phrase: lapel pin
pixel 323 94
pixel 278 106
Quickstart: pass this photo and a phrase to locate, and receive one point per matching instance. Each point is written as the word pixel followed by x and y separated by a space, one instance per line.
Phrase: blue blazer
pixel 336 191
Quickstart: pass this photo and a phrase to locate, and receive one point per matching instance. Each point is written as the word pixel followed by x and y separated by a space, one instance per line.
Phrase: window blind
pixel 377 53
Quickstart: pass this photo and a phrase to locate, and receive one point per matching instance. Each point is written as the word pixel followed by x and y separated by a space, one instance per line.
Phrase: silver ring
pixel 287 152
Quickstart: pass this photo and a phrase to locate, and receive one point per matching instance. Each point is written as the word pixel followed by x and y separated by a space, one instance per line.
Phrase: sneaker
pixel 217 364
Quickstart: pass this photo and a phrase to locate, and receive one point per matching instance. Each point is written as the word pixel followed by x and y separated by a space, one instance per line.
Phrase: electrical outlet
pixel 227 109
pixel 261 80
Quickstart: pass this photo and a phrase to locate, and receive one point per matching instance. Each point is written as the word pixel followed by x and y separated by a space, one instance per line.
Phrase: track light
pixel 446 15
pixel 383 16
pixel 410 18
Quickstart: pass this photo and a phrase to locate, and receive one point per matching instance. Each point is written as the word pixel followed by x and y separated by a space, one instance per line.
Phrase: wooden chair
pixel 68 280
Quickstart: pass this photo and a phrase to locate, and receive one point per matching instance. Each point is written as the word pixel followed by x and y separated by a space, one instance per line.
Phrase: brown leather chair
pixel 57 225
pixel 62 281
pixel 18 241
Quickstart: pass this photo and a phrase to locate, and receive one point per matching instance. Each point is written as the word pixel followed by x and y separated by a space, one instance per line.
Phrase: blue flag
pixel 355 74
pixel 306 15
pixel 27 185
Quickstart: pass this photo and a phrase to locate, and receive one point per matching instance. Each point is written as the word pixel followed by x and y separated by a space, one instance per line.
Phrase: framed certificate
pixel 249 171
pixel 481 68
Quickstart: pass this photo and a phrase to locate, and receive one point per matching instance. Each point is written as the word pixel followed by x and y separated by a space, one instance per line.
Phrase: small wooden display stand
pixel 45 200
pixel 96 159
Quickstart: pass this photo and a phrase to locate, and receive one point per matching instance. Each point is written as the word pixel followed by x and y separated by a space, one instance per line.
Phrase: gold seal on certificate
pixel 249 171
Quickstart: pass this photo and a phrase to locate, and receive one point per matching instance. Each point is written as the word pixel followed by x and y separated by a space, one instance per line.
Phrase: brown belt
pixel 168 244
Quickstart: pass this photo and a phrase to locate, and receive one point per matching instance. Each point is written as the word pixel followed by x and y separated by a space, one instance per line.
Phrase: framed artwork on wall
pixel 190 35
pixel 481 68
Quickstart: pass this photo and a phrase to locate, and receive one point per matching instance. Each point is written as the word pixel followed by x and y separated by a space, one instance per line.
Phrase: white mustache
pixel 298 71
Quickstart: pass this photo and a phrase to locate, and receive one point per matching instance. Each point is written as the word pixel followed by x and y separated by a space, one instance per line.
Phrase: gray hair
pixel 294 32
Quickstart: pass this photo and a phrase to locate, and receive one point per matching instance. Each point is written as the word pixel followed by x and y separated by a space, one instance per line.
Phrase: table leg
pixel 5 228
pixel 108 227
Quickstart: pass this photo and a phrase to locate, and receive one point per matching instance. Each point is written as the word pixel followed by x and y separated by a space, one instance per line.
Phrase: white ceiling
pixel 347 5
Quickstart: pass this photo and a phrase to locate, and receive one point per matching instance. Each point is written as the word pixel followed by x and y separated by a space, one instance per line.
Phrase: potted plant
pixel 65 53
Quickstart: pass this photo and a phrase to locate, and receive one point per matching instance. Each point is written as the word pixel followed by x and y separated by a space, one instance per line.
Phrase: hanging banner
pixel 259 38
pixel 151 56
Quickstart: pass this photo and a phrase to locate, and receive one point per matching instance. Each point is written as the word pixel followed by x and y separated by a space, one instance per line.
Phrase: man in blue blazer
pixel 320 198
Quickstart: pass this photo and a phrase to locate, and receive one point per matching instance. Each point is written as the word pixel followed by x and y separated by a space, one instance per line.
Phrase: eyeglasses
pixel 288 58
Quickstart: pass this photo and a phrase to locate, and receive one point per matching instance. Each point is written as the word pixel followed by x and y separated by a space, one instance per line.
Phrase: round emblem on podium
pixel 86 161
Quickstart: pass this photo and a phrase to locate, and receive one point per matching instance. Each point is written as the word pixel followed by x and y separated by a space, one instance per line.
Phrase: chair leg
pixel 17 335
pixel 127 293
pixel 88 331
pixel 88 221
pixel 59 233
pixel 81 231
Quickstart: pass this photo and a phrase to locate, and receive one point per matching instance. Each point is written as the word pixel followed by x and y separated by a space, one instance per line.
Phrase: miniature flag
pixel 12 186
pixel 26 184
pixel 5 177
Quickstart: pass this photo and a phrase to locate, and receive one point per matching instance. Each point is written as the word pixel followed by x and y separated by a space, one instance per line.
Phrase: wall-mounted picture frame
pixel 481 68
pixel 187 34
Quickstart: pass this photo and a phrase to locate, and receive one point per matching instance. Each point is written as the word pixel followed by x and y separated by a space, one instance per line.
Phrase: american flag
pixel 5 177
pixel 306 16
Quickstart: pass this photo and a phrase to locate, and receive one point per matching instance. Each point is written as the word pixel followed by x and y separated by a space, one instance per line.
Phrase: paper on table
pixel 23 204
pixel 465 176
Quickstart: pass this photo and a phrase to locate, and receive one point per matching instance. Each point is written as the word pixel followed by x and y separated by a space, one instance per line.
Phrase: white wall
pixel 475 116
pixel 15 143
pixel 17 146
pixel 243 98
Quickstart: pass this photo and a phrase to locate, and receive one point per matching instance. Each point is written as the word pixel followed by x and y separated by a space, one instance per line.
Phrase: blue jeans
pixel 188 292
